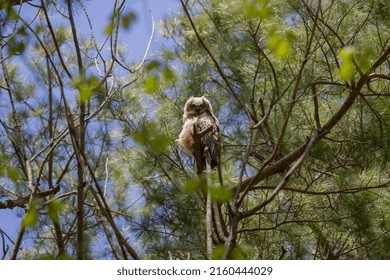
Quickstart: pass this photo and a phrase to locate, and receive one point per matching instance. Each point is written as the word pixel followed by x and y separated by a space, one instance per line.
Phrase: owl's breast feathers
pixel 186 139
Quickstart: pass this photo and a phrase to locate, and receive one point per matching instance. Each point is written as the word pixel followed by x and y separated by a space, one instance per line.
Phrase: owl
pixel 198 112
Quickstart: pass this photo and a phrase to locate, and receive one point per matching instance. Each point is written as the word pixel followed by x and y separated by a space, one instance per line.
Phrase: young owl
pixel 198 111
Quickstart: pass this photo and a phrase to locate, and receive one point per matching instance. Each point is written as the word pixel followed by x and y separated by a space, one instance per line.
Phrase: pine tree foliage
pixel 300 92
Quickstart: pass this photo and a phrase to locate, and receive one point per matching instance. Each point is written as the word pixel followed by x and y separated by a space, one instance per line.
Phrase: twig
pixel 106 180
pixel 148 46
pixel 316 108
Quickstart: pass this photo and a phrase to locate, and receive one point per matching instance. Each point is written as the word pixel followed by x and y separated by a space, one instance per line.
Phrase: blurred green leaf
pixel 141 136
pixel 152 65
pixel 12 173
pixel 11 13
pixel 47 257
pixel 279 46
pixel 347 71
pixel 168 74
pixel 218 251
pixel 241 252
pixel 128 19
pixel 220 194
pixel 347 67
pixel 256 9
pixel 64 256
pixel 151 136
pixel 151 84
pixel 7 169
pixel 347 53
pixel 31 217
pixel 192 184
pixel 86 86
pixel 159 143
pixel 291 36
pixel 109 28
pixel 54 208
pixel 283 49
pixel 364 57
pixel 16 45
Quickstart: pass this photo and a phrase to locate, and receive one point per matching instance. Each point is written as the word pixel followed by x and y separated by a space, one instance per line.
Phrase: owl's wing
pixel 212 139
pixel 216 146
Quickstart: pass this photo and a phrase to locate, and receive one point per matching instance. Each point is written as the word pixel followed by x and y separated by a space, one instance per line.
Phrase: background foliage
pixel 301 91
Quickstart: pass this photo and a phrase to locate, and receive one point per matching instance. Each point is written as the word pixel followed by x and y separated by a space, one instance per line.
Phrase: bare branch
pixel 21 202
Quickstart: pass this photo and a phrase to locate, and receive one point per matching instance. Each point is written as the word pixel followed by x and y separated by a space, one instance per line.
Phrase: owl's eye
pixel 202 105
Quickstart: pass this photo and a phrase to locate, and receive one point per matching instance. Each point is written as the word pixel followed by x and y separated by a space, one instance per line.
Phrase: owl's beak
pixel 197 108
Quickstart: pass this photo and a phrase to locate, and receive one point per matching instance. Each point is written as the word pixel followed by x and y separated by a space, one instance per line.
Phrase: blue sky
pixel 136 40
pixel 140 31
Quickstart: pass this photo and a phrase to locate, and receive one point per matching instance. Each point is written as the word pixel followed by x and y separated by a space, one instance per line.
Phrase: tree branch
pixel 21 202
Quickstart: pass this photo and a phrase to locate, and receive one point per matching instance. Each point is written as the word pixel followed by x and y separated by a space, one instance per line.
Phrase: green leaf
pixel 168 74
pixel 31 217
pixel 141 136
pixel 62 256
pixel 347 53
pixel 11 13
pixel 192 184
pixel 6 168
pixel 364 58
pixel 86 86
pixel 54 207
pixel 283 49
pixel 149 135
pixel 152 65
pixel 109 28
pixel 217 252
pixel 241 252
pixel 256 9
pixel 151 84
pixel 347 71
pixel 251 10
pixel 279 46
pixel 47 257
pixel 128 19
pixel 13 173
pixel 159 143
pixel 220 194
pixel 347 67
pixel 16 45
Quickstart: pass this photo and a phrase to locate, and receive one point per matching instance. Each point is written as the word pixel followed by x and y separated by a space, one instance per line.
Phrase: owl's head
pixel 198 105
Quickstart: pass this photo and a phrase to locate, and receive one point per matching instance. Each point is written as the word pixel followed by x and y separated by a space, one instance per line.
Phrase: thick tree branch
pixel 197 147
pixel 21 202
pixel 284 162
